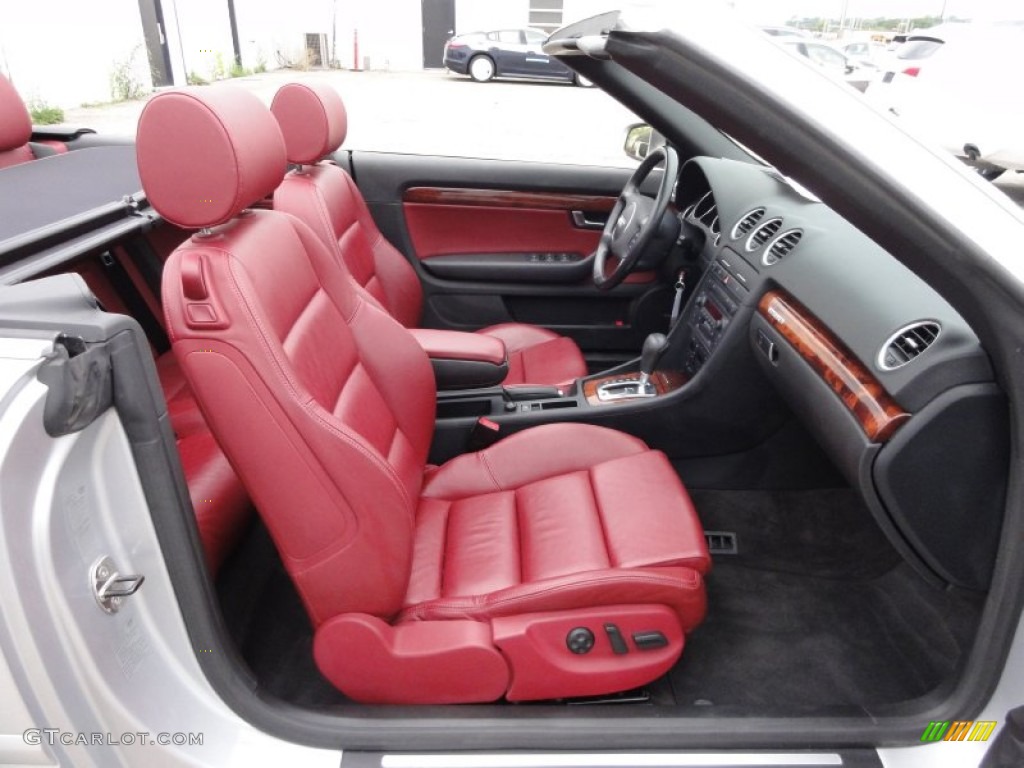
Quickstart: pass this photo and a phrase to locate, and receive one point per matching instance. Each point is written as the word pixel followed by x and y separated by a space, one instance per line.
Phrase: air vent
pixel 763 234
pixel 908 343
pixel 745 225
pixel 781 246
pixel 706 212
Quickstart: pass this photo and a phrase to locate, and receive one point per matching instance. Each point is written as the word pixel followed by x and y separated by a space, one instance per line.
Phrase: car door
pixel 508 50
pixel 498 241
pixel 538 63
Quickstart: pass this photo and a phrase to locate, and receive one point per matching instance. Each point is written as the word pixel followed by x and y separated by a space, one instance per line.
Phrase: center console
pixel 472 418
pixel 717 301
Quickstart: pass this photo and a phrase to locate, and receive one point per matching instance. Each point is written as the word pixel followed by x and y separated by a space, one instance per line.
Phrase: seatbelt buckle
pixel 486 432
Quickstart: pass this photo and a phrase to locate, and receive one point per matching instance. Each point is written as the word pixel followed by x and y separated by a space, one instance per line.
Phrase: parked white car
pixel 829 58
pixel 967 65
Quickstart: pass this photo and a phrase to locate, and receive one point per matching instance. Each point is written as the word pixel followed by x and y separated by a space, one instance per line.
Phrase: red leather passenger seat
pixel 565 560
pixel 314 123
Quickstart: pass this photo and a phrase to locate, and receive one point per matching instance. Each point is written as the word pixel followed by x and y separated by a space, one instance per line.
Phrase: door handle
pixel 583 220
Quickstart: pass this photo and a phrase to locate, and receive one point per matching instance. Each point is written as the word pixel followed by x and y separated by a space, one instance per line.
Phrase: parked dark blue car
pixel 506 53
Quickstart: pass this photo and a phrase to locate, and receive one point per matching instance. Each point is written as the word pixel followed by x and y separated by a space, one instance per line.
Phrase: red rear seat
pixel 221 503
pixel 222 506
pixel 16 129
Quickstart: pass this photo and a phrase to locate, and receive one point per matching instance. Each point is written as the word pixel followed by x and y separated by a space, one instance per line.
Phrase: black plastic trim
pixel 511 267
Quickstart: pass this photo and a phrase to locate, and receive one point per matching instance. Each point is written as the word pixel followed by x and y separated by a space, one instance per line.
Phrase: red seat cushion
pixel 537 355
pixel 552 518
pixel 221 504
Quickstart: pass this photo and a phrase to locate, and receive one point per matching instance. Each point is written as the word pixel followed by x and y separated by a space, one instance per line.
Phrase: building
pixel 75 53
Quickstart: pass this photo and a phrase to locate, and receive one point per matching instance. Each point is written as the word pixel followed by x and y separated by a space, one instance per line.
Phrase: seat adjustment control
pixel 580 640
pixel 649 641
pixel 619 646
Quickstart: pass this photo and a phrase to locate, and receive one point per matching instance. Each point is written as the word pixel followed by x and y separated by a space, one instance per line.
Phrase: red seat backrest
pixel 314 124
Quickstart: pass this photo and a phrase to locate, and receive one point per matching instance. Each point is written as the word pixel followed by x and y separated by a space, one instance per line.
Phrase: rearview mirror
pixel 640 140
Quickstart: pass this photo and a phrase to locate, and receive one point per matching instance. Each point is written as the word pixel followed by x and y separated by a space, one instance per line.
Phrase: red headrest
pixel 15 123
pixel 313 120
pixel 207 153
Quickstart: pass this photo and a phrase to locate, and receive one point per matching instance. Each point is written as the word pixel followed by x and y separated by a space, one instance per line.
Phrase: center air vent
pixel 763 234
pixel 908 343
pixel 745 225
pixel 781 246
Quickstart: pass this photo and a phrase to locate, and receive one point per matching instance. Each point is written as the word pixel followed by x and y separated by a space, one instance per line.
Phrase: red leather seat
pixel 15 127
pixel 221 504
pixel 16 130
pixel 565 560
pixel 314 123
pixel 218 497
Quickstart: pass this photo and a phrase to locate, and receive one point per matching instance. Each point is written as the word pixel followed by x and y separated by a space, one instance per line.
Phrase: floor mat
pixel 821 532
pixel 815 611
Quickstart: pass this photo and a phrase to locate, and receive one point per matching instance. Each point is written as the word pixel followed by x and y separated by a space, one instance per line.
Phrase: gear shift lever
pixel 654 347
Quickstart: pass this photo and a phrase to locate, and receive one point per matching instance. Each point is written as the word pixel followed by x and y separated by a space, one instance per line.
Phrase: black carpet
pixel 269 624
pixel 816 611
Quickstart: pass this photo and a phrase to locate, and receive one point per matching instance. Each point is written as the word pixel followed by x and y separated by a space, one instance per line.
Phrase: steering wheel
pixel 634 219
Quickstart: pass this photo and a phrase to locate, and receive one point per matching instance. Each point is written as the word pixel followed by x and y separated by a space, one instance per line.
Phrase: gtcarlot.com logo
pixel 55 736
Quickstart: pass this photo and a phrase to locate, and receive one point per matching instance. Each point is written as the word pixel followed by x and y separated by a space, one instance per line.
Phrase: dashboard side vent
pixel 763 234
pixel 706 212
pixel 745 225
pixel 907 343
pixel 781 247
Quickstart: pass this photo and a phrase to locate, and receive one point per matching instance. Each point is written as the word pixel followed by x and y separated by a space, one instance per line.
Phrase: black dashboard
pixel 882 371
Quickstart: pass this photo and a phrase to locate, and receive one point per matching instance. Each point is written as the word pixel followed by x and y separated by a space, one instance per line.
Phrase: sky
pixel 778 11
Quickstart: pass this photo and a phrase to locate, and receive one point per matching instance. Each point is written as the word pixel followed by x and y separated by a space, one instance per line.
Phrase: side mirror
pixel 640 140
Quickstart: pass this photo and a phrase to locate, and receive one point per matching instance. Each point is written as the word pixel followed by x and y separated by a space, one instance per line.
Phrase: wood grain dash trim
pixel 874 409
pixel 497 198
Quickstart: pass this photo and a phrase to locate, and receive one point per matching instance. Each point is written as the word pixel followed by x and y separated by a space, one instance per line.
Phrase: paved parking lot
pixel 438 113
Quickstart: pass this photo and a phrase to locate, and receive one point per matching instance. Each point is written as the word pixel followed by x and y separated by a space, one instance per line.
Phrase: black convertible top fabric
pixel 38 194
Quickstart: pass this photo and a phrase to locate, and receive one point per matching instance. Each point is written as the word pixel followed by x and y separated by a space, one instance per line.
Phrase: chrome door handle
pixel 582 221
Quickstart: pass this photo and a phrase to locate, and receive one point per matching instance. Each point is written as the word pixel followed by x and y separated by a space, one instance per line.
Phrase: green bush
pixel 124 85
pixel 194 79
pixel 43 114
pixel 237 70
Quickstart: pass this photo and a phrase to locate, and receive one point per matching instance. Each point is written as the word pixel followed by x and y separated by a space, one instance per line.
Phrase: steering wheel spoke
pixel 634 219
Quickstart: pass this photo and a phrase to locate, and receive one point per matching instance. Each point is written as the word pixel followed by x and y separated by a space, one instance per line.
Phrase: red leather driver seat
pixel 565 560
pixel 314 122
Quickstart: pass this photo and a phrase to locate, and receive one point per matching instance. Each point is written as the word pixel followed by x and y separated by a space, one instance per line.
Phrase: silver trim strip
pixel 585 760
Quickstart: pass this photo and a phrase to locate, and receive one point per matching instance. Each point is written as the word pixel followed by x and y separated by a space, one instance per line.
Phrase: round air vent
pixel 781 246
pixel 763 234
pixel 907 343
pixel 745 225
